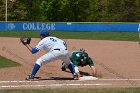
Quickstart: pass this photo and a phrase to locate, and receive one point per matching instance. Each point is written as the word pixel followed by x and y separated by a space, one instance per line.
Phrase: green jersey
pixel 75 59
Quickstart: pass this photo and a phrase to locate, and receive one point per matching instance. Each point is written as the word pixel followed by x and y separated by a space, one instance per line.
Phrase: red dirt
pixel 114 59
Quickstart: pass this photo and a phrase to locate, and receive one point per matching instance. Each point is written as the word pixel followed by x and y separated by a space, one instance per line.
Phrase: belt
pixel 58 49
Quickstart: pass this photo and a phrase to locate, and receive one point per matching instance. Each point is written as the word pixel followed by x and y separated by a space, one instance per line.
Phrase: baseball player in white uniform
pixel 55 48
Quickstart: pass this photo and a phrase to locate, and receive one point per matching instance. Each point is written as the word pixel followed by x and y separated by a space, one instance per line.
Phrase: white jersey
pixel 51 43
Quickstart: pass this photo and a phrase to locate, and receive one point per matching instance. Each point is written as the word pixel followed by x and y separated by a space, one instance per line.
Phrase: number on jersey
pixel 52 39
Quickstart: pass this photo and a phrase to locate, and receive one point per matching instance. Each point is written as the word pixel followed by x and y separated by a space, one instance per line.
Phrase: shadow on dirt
pixel 82 73
pixel 63 78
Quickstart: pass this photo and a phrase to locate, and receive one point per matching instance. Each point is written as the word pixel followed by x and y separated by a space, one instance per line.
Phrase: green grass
pixel 83 90
pixel 7 63
pixel 119 36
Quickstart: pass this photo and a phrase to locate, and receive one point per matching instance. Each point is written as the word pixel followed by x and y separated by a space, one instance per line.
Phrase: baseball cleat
pixel 75 77
pixel 63 69
pixel 30 78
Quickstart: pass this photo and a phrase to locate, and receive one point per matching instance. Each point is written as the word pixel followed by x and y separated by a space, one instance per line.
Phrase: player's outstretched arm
pixel 32 50
pixel 29 48
pixel 94 71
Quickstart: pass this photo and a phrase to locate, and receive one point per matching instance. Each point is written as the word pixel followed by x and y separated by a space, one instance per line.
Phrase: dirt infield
pixel 118 61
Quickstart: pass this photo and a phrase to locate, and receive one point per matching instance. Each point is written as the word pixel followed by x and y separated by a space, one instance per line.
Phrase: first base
pixel 88 78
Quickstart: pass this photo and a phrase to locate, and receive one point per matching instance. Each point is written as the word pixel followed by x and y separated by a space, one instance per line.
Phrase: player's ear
pixel 41 37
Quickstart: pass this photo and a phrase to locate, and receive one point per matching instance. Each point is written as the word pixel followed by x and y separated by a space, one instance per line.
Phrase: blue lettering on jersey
pixel 52 39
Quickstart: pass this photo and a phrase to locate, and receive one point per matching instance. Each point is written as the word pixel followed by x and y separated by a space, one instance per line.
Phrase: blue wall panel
pixel 104 27
pixel 2 26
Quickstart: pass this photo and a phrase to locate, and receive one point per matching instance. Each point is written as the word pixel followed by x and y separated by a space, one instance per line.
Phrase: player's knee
pixel 39 61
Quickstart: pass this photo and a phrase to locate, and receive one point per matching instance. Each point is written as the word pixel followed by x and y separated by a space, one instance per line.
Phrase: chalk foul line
pixel 119 79
pixel 56 85
pixel 53 85
pixel 24 81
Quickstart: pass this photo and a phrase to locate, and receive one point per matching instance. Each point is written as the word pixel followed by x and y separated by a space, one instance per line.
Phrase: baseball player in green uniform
pixel 80 58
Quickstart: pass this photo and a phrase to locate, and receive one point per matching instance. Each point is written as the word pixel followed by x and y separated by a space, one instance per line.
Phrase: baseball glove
pixel 25 40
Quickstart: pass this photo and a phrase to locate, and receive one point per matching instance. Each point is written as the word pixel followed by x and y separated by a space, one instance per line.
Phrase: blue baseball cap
pixel 44 32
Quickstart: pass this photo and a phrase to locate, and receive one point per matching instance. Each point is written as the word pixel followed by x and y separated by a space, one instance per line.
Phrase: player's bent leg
pixel 34 71
pixel 68 63
pixel 45 58
pixel 49 57
pixel 71 68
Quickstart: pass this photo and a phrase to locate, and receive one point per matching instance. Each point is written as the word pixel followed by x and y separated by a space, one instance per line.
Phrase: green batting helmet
pixel 83 56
